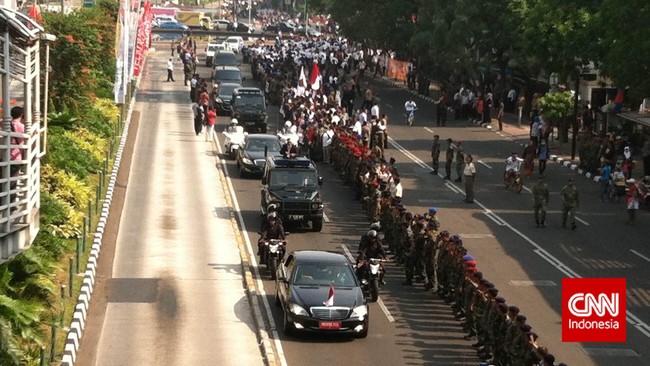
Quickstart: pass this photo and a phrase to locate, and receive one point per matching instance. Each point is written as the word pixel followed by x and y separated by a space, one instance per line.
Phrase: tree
pixel 558 107
pixel 623 44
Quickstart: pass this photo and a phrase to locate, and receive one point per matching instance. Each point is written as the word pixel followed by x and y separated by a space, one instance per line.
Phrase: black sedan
pixel 240 27
pixel 252 158
pixel 222 97
pixel 319 292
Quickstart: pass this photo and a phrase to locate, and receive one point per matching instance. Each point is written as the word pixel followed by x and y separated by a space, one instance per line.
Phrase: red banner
pixel 143 37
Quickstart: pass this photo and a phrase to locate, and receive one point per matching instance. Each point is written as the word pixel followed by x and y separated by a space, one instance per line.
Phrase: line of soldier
pixel 438 260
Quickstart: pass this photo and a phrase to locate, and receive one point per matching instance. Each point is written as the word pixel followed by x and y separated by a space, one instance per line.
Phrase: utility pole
pixel 574 125
pixel 306 24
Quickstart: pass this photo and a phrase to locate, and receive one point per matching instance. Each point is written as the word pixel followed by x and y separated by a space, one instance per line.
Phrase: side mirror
pixel 320 181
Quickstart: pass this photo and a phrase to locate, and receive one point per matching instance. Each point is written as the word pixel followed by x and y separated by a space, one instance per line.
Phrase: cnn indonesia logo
pixel 593 310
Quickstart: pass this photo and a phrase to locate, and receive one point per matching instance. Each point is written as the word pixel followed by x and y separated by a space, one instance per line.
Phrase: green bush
pixel 65 153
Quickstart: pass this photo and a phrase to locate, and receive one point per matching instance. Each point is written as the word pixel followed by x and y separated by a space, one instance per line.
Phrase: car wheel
pixel 287 327
pixel 317 225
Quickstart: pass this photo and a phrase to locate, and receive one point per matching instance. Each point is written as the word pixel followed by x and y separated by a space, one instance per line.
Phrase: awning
pixel 643 119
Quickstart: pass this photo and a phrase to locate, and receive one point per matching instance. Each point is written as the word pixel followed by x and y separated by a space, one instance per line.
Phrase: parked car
pixel 172 25
pixel 319 291
pixel 251 159
pixel 221 24
pixel 240 27
pixel 223 96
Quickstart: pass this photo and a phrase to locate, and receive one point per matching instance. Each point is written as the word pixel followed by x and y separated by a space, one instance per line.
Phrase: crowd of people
pixel 353 140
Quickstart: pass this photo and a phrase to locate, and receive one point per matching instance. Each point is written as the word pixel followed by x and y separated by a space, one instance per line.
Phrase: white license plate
pixel 296 217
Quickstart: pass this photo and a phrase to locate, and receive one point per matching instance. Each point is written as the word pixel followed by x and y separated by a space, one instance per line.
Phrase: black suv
pixel 249 107
pixel 293 186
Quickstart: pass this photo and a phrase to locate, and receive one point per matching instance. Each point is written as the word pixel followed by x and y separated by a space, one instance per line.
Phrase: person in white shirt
pixel 363 116
pixel 170 70
pixel 396 188
pixel 512 98
pixel 410 107
pixel 327 137
pixel 513 165
pixel 374 111
pixel 358 128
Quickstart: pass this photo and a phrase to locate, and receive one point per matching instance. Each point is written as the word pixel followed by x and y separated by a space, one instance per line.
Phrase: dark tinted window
pixel 295 177
pixel 259 144
pixel 225 59
pixel 316 274
pixel 249 100
pixel 226 90
pixel 227 75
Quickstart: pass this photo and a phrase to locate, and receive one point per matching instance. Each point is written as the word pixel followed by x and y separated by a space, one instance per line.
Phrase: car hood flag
pixel 330 297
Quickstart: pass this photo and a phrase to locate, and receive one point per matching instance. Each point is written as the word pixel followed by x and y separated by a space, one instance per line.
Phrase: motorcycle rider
pixel 271 209
pixel 513 166
pixel 272 230
pixel 232 127
pixel 365 238
pixel 373 249
pixel 410 107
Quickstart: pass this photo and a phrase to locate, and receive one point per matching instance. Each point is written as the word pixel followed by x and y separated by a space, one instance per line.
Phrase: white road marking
pixel 640 255
pixel 631 318
pixel 388 105
pixel 582 221
pixel 325 218
pixel 485 165
pixel 381 304
pixel 253 259
pixel 428 130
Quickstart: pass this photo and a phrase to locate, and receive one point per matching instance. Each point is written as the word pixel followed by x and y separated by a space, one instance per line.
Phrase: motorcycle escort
pixel 235 137
pixel 272 254
pixel 369 273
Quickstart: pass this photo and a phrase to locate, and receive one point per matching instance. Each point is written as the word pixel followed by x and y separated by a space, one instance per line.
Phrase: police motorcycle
pixel 235 137
pixel 370 271
pixel 289 132
pixel 272 254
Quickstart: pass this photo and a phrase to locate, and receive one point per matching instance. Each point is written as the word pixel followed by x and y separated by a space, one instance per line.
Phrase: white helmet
pixel 288 124
pixel 272 207
pixel 372 233
pixel 234 121
pixel 375 226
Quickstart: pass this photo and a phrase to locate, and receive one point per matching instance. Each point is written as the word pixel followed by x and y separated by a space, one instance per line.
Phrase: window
pixel 249 100
pixel 316 274
pixel 295 178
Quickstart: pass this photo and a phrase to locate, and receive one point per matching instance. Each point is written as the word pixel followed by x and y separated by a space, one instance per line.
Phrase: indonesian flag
pixel 315 77
pixel 35 13
pixel 330 298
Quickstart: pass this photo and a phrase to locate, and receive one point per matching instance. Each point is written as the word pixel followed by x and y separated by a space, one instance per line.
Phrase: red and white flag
pixel 315 78
pixel 330 297
pixel 302 81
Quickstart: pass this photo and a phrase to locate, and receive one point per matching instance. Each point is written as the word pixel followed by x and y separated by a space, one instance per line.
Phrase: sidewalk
pixel 560 152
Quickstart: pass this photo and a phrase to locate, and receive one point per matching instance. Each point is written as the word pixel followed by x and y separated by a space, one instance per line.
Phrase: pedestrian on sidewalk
pixel 543 154
pixel 500 114
pixel 170 70
pixel 210 120
pixel 173 47
pixel 521 103
pixel 198 117
pixel 435 153
pixel 470 176
pixel 449 158
pixel 541 197
pixel 570 202
pixel 632 199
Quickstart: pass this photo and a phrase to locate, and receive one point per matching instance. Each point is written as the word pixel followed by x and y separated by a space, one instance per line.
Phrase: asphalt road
pixel 180 297
pixel 527 264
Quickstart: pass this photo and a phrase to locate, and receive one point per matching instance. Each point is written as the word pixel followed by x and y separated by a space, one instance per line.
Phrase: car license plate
pixel 329 325
pixel 296 217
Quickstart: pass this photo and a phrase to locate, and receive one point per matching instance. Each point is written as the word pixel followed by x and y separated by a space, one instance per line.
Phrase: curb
pixel 571 164
pixel 78 322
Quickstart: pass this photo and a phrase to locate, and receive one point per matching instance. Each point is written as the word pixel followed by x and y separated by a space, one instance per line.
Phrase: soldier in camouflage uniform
pixel 429 253
pixel 541 196
pixel 570 202
pixel 460 162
